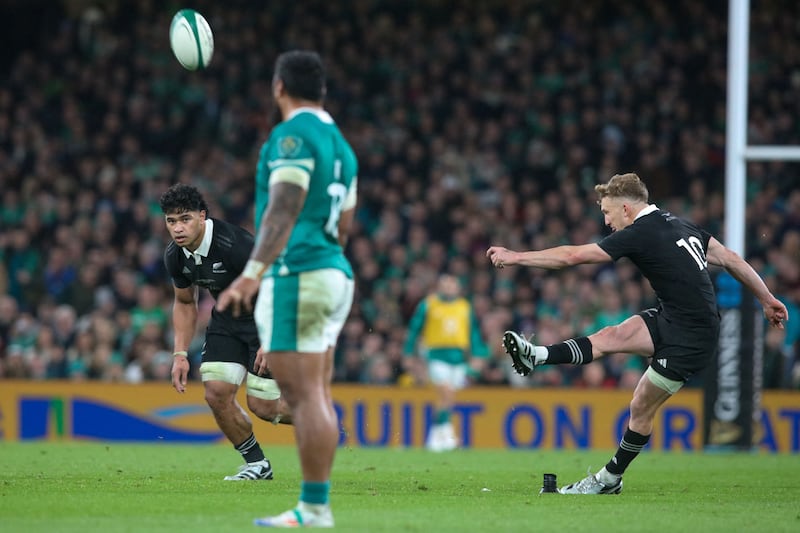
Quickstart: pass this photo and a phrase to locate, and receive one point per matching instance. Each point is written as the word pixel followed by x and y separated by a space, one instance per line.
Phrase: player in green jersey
pixel 445 330
pixel 305 203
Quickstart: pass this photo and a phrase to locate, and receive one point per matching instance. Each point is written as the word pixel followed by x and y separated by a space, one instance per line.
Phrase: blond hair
pixel 623 186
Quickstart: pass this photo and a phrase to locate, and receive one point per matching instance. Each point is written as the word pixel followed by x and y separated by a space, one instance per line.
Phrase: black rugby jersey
pixel 671 253
pixel 225 259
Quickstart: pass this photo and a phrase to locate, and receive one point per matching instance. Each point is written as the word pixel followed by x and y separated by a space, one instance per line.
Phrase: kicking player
pixel 680 335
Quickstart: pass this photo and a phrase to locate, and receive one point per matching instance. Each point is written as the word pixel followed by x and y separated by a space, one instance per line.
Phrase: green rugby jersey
pixel 309 141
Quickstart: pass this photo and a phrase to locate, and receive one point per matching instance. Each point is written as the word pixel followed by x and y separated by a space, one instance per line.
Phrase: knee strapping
pixel 222 371
pixel 669 385
pixel 264 388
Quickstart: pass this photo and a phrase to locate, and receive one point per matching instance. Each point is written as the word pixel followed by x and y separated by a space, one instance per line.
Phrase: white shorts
pixel 442 373
pixel 303 312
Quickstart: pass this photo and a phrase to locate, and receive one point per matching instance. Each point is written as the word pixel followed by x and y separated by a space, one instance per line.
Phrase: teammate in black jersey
pixel 680 335
pixel 211 253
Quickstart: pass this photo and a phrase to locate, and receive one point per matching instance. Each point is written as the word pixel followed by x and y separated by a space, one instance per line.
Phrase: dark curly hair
pixel 181 198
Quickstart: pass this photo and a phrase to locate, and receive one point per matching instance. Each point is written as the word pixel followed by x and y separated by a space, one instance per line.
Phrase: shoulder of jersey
pixel 296 126
pixel 283 129
pixel 171 249
pixel 226 233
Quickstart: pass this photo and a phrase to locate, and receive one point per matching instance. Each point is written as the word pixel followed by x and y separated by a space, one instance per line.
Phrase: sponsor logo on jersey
pixel 218 268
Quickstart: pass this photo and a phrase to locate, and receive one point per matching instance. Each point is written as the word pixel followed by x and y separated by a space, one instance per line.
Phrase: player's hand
pixel 238 296
pixel 180 372
pixel 260 365
pixel 776 313
pixel 501 257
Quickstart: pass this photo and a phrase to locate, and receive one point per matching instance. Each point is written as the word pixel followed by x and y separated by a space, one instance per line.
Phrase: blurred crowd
pixel 475 123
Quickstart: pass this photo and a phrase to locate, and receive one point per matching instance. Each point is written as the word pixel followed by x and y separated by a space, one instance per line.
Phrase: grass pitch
pixel 74 487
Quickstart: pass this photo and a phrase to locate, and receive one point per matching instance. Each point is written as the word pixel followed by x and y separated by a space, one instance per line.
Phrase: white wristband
pixel 254 269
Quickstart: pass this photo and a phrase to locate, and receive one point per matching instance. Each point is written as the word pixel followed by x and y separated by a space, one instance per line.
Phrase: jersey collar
pixel 321 114
pixel 205 244
pixel 646 211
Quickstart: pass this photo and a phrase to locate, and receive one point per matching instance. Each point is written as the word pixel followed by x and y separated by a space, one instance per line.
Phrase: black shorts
pixel 231 341
pixel 679 350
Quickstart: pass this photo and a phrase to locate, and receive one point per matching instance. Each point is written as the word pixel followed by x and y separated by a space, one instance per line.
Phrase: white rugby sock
pixel 540 354
pixel 606 477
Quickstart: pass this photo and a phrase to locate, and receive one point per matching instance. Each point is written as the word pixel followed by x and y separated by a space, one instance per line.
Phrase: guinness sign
pixel 734 378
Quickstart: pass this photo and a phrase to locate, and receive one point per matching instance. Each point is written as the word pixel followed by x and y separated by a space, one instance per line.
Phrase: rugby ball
pixel 191 39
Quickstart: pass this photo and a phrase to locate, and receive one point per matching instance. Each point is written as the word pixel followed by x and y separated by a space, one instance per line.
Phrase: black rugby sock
pixel 629 447
pixel 572 351
pixel 250 449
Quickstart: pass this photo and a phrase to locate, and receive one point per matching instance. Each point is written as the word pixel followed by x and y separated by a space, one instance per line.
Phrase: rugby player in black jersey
pixel 680 336
pixel 210 253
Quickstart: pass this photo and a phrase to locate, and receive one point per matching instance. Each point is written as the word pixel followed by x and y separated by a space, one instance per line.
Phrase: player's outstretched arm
pixel 774 310
pixel 551 258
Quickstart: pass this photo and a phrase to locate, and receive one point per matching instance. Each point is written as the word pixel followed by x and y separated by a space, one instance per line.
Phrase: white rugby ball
pixel 191 39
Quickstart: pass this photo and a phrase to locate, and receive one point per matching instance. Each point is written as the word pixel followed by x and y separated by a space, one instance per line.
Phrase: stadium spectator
pixel 93 128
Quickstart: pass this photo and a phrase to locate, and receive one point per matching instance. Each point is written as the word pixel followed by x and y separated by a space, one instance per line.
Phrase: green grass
pixel 73 487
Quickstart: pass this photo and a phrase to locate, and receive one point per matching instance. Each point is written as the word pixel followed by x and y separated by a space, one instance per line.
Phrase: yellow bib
pixel 446 323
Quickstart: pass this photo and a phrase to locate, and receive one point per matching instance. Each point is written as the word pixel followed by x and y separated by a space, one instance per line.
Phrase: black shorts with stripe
pixel 680 350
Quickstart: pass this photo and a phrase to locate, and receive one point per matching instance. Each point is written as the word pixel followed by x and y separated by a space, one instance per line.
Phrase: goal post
pixel 733 384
